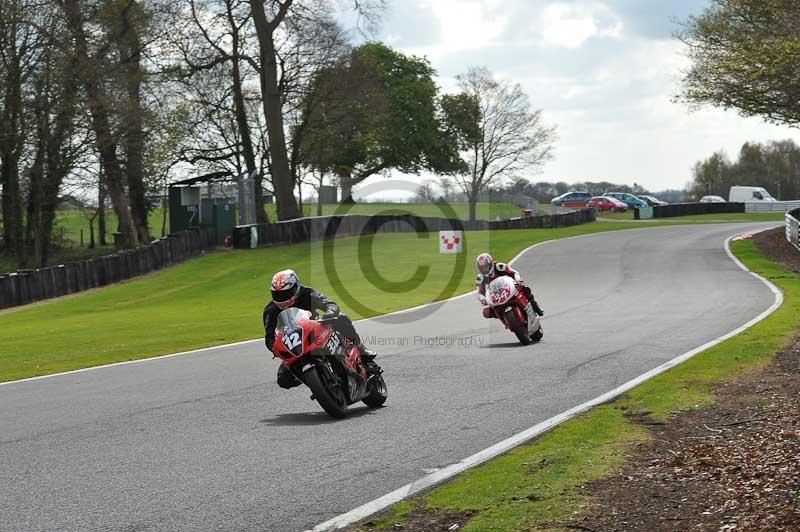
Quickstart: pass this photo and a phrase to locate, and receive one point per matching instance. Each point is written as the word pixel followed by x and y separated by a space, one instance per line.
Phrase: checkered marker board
pixel 451 241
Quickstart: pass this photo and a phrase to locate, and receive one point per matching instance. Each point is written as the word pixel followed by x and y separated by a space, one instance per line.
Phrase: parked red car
pixel 605 203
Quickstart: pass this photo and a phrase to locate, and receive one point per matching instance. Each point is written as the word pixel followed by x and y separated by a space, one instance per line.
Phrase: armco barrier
pixel 327 227
pixel 690 209
pixel 28 286
pixel 793 228
pixel 771 206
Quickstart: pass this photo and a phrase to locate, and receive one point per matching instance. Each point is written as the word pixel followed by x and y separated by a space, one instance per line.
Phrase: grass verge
pixel 217 299
pixel 537 486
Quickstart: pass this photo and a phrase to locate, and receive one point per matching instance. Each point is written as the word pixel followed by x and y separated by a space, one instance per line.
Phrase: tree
pixel 782 161
pixel 314 45
pixel 377 111
pixel 18 51
pixel 38 109
pixel 710 175
pixel 774 165
pixel 744 56
pixel 500 135
pixel 269 16
pixel 344 104
pixel 127 20
pixel 215 49
pixel 57 146
pixel 447 185
pixel 425 192
pixel 100 109
pixel 266 28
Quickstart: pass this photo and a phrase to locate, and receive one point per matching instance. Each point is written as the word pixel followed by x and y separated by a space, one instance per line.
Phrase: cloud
pixel 571 25
pixel 469 24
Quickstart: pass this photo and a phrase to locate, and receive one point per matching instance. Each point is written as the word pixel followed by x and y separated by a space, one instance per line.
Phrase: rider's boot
pixel 534 304
pixel 367 354
pixel 286 379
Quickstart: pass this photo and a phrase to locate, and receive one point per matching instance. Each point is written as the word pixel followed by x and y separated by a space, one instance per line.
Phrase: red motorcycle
pixel 319 357
pixel 512 307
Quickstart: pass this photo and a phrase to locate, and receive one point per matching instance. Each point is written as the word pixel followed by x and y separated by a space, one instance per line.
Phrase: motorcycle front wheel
pixel 331 400
pixel 519 328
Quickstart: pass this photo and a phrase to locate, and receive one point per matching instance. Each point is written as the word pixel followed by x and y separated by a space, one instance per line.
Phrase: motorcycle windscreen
pixel 501 290
pixel 291 318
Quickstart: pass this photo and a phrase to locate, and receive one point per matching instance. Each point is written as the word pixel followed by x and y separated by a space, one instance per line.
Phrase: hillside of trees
pixel 773 165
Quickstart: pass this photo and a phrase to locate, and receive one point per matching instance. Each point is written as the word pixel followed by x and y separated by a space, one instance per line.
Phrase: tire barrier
pixel 28 286
pixel 328 227
pixel 691 209
pixel 793 228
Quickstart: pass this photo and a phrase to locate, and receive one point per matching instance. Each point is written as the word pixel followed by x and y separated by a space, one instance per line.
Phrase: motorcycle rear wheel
pixel 328 400
pixel 518 328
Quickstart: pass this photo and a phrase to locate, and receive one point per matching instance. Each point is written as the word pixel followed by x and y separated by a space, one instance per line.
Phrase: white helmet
pixel 485 263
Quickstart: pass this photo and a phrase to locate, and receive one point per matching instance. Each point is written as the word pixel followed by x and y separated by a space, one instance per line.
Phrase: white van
pixel 743 194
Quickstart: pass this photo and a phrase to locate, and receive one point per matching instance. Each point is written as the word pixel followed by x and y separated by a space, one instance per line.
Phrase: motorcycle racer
pixel 488 271
pixel 287 292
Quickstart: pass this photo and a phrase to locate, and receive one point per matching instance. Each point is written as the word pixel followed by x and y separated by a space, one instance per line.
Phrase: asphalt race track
pixel 207 441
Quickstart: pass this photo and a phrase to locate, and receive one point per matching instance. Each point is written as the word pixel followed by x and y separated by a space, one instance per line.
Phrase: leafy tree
pixel 774 165
pixel 447 186
pixel 710 175
pixel 377 110
pixel 19 51
pixel 745 56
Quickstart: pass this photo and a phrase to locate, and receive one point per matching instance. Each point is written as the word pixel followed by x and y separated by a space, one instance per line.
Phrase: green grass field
pixel 69 224
pixel 218 298
pixel 539 486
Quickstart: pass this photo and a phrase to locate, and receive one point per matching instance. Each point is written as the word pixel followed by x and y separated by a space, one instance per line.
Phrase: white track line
pixel 255 340
pixel 138 361
pixel 504 446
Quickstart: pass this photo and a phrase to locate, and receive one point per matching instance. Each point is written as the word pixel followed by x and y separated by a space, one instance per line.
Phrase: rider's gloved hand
pixel 329 315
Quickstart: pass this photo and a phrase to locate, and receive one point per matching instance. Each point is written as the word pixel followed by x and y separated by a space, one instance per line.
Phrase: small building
pixel 205 201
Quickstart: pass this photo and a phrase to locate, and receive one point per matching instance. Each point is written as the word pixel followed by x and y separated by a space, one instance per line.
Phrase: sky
pixel 604 72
